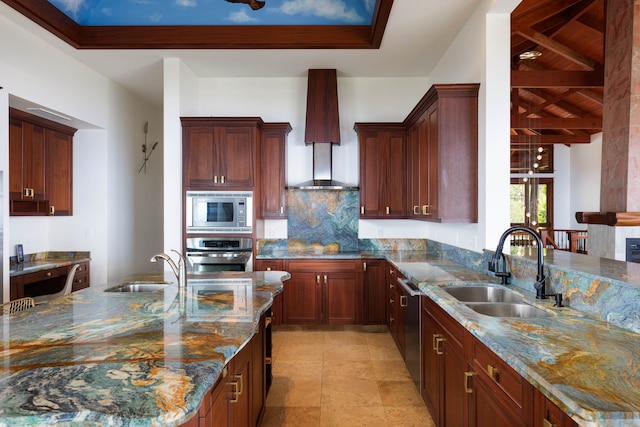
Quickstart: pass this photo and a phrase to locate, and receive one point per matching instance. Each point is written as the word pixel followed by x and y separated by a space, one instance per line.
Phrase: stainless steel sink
pixel 138 287
pixel 482 294
pixel 503 309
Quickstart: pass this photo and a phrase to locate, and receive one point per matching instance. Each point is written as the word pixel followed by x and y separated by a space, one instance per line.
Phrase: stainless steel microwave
pixel 229 212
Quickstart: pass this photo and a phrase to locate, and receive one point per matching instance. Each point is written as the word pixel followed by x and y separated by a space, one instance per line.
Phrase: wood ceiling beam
pixel 558 102
pixel 520 122
pixel 520 140
pixel 557 47
pixel 540 13
pixel 560 79
pixel 593 96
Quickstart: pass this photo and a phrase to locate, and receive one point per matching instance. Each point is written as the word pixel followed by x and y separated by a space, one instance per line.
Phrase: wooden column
pixel 620 182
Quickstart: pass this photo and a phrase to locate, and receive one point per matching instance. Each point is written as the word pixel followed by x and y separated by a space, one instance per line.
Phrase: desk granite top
pixel 125 359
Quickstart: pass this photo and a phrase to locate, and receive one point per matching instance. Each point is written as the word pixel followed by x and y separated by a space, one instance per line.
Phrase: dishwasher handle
pixel 408 286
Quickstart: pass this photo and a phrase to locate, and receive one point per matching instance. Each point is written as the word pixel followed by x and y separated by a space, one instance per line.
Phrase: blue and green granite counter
pixel 585 357
pixel 127 359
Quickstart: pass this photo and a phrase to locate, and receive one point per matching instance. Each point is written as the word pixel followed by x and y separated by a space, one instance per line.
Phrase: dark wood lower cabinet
pixel 238 398
pixel 373 289
pixel 322 292
pixel 464 383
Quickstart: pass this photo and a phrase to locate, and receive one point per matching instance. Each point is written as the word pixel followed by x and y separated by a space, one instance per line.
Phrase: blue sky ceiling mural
pixel 217 12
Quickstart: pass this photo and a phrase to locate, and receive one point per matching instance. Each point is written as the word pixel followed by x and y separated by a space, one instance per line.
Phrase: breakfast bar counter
pixel 129 359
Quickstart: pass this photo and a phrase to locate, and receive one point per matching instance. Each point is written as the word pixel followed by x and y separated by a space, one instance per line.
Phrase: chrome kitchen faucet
pixel 179 270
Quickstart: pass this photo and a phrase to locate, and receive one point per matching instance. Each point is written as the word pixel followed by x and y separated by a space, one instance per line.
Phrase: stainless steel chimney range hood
pixel 322 130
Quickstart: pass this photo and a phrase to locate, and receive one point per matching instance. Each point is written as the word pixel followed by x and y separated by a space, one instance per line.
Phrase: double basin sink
pixel 495 302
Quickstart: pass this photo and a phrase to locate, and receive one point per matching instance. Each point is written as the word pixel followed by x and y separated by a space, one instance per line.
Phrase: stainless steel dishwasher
pixel 410 303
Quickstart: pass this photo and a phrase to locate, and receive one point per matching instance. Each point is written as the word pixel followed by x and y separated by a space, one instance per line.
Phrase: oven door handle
pixel 408 287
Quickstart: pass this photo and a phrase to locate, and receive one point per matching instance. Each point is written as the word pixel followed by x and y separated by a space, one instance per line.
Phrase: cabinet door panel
pixel 455 396
pixel 236 149
pixel 430 367
pixel 340 298
pixel 432 171
pixel 395 155
pixel 59 173
pixel 272 173
pixel 302 299
pixel 374 292
pixel 33 160
pixel 198 156
pixel 486 409
pixel 16 184
pixel 371 175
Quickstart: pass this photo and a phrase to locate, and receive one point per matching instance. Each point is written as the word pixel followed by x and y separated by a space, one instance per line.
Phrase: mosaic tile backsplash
pixel 323 221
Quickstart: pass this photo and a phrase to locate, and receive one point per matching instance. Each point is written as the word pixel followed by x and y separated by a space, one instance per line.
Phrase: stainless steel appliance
pixel 229 212
pixel 410 303
pixel 208 254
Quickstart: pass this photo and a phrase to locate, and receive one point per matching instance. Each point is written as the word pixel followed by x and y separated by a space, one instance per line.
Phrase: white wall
pixel 117 212
pixel 586 160
pixel 480 53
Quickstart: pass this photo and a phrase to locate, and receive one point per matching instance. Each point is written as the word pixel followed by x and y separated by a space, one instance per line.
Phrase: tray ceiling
pixel 211 24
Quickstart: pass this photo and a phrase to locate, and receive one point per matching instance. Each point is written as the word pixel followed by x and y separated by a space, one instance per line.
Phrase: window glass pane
pixel 542 204
pixel 517 203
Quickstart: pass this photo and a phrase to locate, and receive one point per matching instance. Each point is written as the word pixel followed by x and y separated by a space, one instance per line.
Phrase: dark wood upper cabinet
pixel 443 141
pixel 428 164
pixel 219 152
pixel 40 166
pixel 273 166
pixel 382 170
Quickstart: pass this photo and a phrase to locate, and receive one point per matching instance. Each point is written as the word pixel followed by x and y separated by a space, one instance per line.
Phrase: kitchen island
pixel 122 358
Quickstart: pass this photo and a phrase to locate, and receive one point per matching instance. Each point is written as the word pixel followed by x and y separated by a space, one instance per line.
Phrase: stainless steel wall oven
pixel 209 254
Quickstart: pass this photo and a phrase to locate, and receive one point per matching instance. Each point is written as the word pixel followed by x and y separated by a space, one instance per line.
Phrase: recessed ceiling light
pixel 530 54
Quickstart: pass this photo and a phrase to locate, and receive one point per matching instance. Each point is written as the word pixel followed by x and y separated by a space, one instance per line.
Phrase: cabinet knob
pixel 403 303
pixel 281 210
pixel 416 210
pixel 48 274
pixel 318 279
pixel 268 268
pixel 425 210
pixel 222 179
pixel 364 266
pixel 391 301
pixel 52 210
pixel 388 210
pixel 361 210
pixel 215 179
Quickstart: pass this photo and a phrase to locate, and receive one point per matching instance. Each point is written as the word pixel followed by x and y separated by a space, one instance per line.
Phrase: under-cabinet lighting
pixel 48 112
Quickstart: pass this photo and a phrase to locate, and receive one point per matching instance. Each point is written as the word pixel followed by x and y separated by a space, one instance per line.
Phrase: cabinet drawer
pixel 455 330
pixel 268 265
pixel 44 275
pixel 316 266
pixel 489 365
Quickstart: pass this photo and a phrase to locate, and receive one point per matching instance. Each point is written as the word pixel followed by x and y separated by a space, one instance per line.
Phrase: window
pixel 532 202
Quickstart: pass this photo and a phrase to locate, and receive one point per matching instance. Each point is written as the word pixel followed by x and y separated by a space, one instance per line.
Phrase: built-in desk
pixel 47 274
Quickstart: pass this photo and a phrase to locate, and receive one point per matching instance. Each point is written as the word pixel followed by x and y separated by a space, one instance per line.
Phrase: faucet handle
pixel 180 256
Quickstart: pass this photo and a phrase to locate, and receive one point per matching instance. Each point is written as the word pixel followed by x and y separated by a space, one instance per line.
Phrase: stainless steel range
pixel 209 254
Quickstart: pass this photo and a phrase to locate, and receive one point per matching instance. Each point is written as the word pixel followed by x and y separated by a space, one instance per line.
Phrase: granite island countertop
pixel 46 261
pixel 130 359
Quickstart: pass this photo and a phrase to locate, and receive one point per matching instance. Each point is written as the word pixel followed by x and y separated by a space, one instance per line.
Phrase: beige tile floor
pixel 341 377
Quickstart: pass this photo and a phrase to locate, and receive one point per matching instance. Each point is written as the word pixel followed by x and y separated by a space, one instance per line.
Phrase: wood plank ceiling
pixel 557 97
